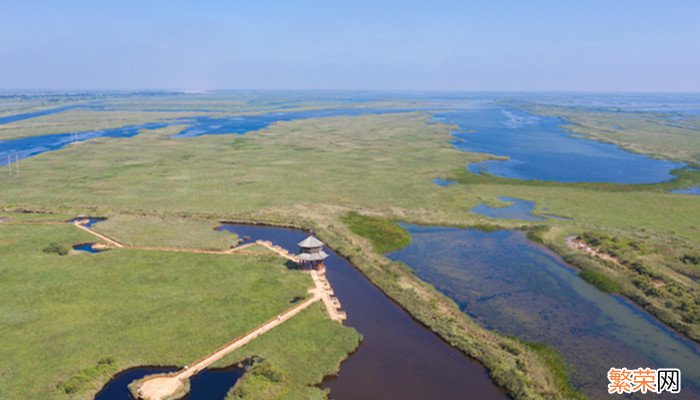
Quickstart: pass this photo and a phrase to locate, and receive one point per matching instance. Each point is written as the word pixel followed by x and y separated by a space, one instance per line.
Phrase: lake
pixel 539 149
pixel 518 288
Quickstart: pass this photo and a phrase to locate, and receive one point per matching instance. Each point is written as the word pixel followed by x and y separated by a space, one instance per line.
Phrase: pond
pixel 513 286
pixel 398 357
pixel 88 248
pixel 539 149
pixel 210 384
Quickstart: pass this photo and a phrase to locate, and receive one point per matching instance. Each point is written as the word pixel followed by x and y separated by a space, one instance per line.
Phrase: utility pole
pixel 17 158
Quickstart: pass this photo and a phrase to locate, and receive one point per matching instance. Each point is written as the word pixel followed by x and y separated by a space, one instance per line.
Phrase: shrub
pixel 55 248
pixel 84 378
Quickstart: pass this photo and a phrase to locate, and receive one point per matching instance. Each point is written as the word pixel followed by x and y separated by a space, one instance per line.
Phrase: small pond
pixel 88 248
pixel 443 182
pixel 210 384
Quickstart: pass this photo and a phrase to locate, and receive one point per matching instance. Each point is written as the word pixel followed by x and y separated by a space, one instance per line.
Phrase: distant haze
pixel 506 45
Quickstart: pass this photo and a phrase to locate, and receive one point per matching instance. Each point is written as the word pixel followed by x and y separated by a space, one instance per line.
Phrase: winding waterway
pixel 511 285
pixel 20 117
pixel 30 146
pixel 398 358
pixel 204 125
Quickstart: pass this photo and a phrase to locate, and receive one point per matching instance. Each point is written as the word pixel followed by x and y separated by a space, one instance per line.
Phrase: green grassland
pixel 312 173
pixel 283 377
pixel 142 230
pixel 70 322
pixel 647 133
pixel 385 235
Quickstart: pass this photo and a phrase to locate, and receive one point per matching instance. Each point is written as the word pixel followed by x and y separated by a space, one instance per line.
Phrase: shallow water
pixel 247 123
pixel 210 384
pixel 539 149
pixel 518 288
pixel 518 209
pixel 398 358
pixel 443 182
pixel 691 190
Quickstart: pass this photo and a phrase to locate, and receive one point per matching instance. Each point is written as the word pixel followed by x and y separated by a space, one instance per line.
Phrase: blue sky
pixel 500 45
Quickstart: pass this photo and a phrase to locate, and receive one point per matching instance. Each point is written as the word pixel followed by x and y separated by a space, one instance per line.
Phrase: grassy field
pixel 281 376
pixel 385 235
pixel 142 230
pixel 69 322
pixel 312 173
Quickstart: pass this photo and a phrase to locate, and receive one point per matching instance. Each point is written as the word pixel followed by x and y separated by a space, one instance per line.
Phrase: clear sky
pixel 499 45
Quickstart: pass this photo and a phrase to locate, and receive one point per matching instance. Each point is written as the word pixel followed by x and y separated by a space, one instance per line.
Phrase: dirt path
pixel 99 235
pixel 574 242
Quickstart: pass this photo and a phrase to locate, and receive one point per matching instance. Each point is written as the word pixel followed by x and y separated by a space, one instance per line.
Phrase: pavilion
pixel 312 254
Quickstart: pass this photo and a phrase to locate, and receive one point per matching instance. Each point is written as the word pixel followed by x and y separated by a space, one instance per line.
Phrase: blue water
pixel 539 149
pixel 87 247
pixel 31 146
pixel 518 288
pixel 19 117
pixel 210 384
pixel 519 209
pixel 691 190
pixel 247 123
pixel 443 182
